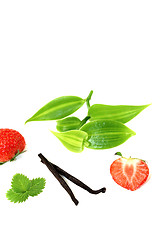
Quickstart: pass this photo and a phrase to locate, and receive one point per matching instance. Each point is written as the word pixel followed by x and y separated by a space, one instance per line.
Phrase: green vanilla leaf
pixel 58 108
pixel 69 123
pixel 37 186
pixel 20 183
pixel 73 140
pixel 104 134
pixel 16 197
pixel 120 113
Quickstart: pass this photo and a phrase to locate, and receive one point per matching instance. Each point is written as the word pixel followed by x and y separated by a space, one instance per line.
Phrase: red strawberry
pixel 11 144
pixel 129 173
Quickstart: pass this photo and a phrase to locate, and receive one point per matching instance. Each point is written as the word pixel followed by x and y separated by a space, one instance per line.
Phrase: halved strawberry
pixel 129 173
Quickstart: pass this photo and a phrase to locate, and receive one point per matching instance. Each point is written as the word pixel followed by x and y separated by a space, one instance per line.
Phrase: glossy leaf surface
pixel 73 140
pixel 104 134
pixel 120 113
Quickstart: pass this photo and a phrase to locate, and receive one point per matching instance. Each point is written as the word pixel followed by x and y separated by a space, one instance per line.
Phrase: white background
pixel 50 49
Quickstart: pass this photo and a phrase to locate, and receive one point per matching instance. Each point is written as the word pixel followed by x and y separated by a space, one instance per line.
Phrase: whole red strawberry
pixel 129 173
pixel 11 144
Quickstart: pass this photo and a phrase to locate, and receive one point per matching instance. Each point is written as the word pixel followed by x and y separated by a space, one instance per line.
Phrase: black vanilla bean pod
pixel 58 177
pixel 77 181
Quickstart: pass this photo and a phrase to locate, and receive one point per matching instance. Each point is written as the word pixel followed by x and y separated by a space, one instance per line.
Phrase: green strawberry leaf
pixel 22 188
pixel 37 186
pixel 16 197
pixel 20 183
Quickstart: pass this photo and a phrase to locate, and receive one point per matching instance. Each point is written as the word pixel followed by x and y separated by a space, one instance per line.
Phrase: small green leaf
pixel 120 113
pixel 37 186
pixel 119 154
pixel 69 123
pixel 16 197
pixel 73 140
pixel 20 183
pixel 104 134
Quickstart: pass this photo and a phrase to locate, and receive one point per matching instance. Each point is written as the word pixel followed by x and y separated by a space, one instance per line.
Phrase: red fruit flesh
pixel 129 173
pixel 11 142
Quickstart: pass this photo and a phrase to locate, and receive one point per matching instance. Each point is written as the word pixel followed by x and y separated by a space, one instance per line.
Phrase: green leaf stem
pixel 89 98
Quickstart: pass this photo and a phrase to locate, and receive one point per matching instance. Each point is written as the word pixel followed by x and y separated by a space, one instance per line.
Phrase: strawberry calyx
pixel 1 163
pixel 18 153
pixel 14 158
pixel 130 158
